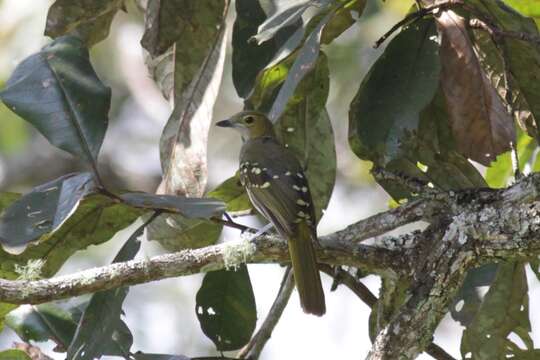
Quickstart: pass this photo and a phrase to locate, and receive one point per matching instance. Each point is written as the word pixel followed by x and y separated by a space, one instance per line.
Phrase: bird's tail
pixel 306 273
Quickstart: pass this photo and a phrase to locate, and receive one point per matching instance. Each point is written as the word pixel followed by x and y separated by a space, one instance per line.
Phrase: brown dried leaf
pixel 478 117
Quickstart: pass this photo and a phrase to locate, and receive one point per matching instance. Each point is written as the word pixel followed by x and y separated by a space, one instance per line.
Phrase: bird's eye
pixel 249 119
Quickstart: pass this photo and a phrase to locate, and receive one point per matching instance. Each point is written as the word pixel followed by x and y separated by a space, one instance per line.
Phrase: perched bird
pixel 277 187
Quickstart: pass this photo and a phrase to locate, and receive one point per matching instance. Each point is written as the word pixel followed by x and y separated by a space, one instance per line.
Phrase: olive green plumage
pixel 277 186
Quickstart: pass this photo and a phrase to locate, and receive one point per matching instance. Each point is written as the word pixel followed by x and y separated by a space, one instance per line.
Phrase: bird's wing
pixel 276 185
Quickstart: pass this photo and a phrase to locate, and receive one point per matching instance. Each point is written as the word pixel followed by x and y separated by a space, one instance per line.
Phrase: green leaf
pixel 100 330
pixel 402 82
pixel 192 208
pixel 96 220
pixel 4 310
pixel 42 211
pixel 179 20
pixel 500 171
pixel 535 267
pixel 175 232
pixel 89 20
pixel 526 7
pixel 43 322
pixel 233 194
pixel 468 299
pixel 58 92
pixel 225 307
pixel 343 19
pixel 248 58
pixel 14 355
pixel 505 310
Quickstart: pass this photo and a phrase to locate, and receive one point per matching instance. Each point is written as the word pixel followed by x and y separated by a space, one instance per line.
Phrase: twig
pixel 32 351
pixel 253 349
pixel 483 23
pixel 232 224
pixel 355 285
pixel 437 352
pixel 415 185
pixel 417 15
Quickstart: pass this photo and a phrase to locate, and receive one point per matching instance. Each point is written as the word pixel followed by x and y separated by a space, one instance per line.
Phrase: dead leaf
pixel 478 117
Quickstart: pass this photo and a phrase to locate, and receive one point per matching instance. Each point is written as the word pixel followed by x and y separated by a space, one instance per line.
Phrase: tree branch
pixel 468 228
pixel 487 228
pixel 255 346
pixel 264 249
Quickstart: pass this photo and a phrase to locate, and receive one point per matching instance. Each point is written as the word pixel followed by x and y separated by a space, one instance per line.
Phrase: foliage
pixel 454 88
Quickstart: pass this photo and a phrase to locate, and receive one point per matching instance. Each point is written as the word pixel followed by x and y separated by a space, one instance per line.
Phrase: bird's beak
pixel 225 123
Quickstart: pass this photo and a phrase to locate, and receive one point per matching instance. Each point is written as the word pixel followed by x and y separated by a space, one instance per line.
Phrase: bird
pixel 278 188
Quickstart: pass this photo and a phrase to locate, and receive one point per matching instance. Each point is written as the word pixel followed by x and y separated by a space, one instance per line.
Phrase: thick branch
pixel 489 227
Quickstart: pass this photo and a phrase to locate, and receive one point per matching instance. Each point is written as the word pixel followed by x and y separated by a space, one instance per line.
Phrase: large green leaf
pixel 175 232
pixel 505 310
pixel 14 355
pixel 4 310
pixel 58 92
pixel 95 221
pixel 225 307
pixel 526 7
pixel 100 328
pixel 402 82
pixel 248 58
pixel 88 19
pixel 43 210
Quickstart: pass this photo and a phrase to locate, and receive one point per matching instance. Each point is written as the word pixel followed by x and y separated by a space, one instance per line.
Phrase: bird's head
pixel 252 124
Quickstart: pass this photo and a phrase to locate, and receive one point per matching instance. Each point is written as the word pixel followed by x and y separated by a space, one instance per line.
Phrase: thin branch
pixel 438 353
pixel 355 285
pixel 414 185
pixel 255 346
pixel 494 30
